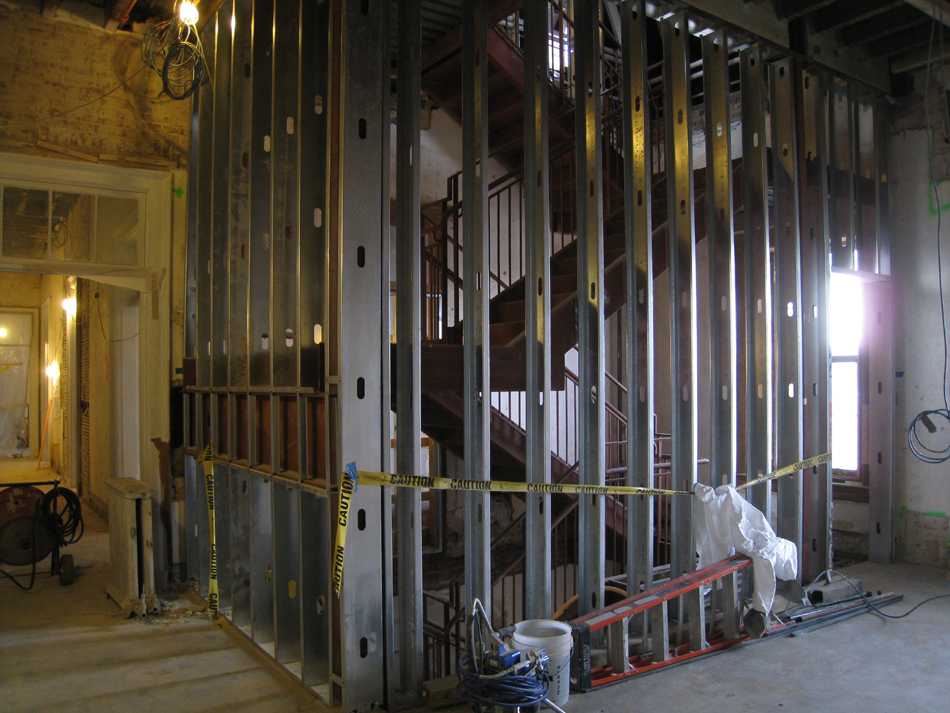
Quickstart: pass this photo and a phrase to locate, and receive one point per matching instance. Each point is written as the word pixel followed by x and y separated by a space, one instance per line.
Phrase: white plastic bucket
pixel 556 640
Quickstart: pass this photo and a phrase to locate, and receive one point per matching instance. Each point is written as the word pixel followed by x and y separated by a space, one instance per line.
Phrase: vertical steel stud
pixel 722 259
pixel 285 233
pixel 203 218
pixel 638 198
pixel 220 201
pixel 537 310
pixel 816 359
pixel 475 273
pixel 359 301
pixel 259 323
pixel 408 346
pixel 787 320
pixel 758 298
pixel 590 304
pixel 239 202
pixel 682 251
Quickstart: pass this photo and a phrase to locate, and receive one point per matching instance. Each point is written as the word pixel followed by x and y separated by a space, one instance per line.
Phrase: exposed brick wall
pixel 50 66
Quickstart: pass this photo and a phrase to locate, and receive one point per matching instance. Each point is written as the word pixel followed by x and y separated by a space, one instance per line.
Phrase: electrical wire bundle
pixel 172 48
pixel 864 596
pixel 917 447
pixel 64 524
pixel 482 684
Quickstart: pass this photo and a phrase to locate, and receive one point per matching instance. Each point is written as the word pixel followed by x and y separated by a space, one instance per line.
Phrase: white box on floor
pixel 130 546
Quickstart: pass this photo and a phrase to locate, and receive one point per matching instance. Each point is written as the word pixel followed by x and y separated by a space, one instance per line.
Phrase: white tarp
pixel 16 335
pixel 727 523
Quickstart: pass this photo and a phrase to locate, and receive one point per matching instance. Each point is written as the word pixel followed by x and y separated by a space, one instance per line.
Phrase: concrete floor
pixel 67 649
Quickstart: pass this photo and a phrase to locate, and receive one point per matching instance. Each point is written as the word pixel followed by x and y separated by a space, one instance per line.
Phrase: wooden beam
pixel 117 13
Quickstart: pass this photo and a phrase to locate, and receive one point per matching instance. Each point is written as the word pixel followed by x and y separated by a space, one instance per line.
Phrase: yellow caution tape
pixel 352 478
pixel 789 469
pixel 500 486
pixel 347 487
pixel 207 464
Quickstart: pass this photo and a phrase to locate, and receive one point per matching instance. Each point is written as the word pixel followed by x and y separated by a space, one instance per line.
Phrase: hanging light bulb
pixel 188 13
pixel 69 304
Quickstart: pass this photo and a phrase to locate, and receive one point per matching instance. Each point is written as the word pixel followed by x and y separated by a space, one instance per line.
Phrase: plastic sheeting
pixel 16 335
pixel 727 523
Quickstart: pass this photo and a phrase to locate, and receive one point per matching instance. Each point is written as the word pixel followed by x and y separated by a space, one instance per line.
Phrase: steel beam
pixel 758 298
pixel 537 309
pixel 682 251
pixel 408 346
pixel 360 301
pixel 787 320
pixel 816 361
pixel 722 259
pixel 258 316
pixel 590 305
pixel 475 275
pixel 638 199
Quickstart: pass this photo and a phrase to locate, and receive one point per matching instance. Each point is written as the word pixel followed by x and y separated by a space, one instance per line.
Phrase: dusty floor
pixel 67 649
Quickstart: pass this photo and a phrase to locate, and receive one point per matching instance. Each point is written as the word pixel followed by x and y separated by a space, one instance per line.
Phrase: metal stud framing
pixel 816 359
pixel 537 310
pixel 475 273
pixel 288 317
pixel 590 304
pixel 638 198
pixel 757 277
pixel 408 345
pixel 722 259
pixel 360 298
pixel 682 252
pixel 220 200
pixel 787 320
pixel 260 270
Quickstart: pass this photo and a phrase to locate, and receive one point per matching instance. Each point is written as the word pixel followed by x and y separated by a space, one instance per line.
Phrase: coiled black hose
pixel 64 524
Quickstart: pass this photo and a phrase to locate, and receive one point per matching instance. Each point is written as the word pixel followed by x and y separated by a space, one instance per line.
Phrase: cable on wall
pixel 923 452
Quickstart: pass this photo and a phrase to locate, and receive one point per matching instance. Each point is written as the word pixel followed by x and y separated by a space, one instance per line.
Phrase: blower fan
pixel 34 524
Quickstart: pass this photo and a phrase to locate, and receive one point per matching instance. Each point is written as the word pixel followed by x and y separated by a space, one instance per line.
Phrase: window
pixel 846 319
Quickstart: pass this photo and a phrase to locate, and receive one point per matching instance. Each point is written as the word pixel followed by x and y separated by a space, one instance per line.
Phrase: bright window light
pixel 845 315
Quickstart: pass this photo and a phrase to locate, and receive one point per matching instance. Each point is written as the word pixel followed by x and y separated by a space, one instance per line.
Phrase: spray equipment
pixel 494 673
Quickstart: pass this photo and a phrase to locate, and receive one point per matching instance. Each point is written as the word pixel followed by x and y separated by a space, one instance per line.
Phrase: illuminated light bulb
pixel 69 304
pixel 3 331
pixel 188 13
pixel 52 371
